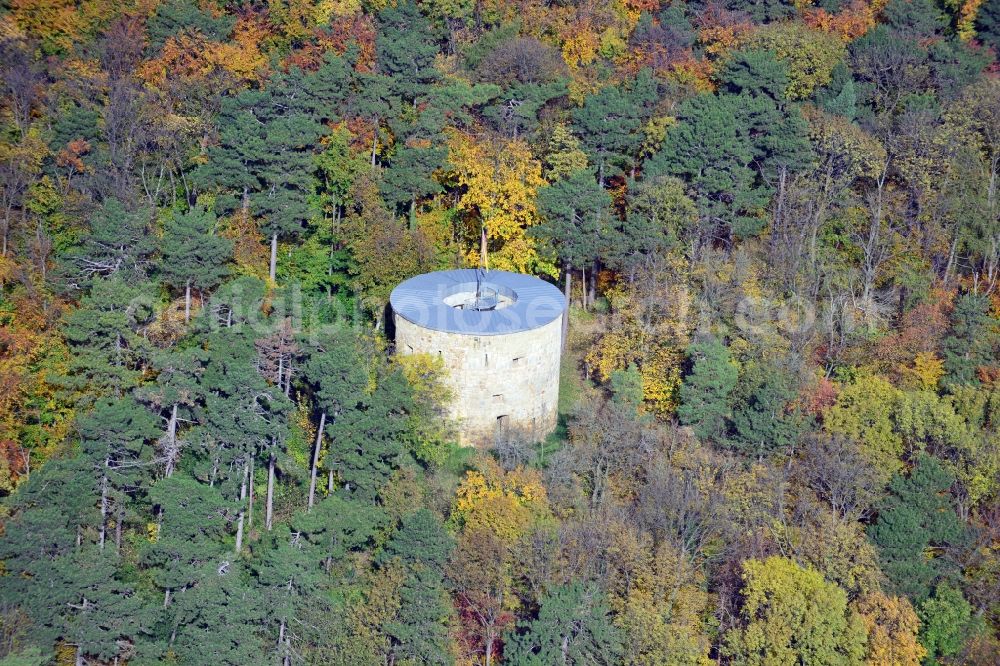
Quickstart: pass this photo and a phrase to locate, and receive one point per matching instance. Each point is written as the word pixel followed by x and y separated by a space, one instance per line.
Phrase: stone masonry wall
pixel 501 383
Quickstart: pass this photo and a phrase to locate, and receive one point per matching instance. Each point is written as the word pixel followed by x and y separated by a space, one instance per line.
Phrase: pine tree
pixel 176 396
pixel 575 212
pixel 193 257
pixel 336 374
pixel 915 518
pixel 736 148
pixel 107 353
pixel 608 124
pixel 573 627
pixel 118 244
pixel 706 392
pixel 116 439
pixel 369 436
pixel 406 50
pixel 190 535
pixel 245 418
pixel 179 16
pixel 419 632
pixel 972 340
pixel 264 162
pixel 219 619
pixel 764 417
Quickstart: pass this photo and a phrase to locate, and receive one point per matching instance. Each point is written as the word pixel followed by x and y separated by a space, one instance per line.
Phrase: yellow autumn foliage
pixel 892 627
pixel 506 503
pixel 927 370
pixel 500 180
pixel 649 328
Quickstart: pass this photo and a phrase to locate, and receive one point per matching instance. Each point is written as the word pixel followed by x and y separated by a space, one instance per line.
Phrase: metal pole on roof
pixel 484 265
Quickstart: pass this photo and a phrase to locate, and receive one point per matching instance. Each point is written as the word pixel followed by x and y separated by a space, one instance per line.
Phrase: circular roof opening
pixel 466 301
pixel 480 296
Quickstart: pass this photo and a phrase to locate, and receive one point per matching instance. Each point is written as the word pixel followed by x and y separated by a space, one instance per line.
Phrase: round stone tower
pixel 500 336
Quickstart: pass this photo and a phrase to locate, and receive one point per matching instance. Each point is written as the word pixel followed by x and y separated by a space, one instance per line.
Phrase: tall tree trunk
pixel 269 513
pixel 79 655
pixel 171 442
pixel 315 460
pixel 592 285
pixel 250 499
pixel 565 323
pixel 187 302
pixel 273 271
pixel 329 481
pixel 243 513
pixel 583 287
pixel 104 507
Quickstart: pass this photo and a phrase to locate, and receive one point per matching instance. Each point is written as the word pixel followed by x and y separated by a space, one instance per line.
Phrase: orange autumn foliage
pixel 852 22
pixel 720 29
pixel 344 31
pixel 920 331
pixel 192 56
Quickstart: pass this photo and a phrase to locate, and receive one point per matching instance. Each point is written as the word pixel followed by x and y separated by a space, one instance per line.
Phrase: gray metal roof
pixel 421 301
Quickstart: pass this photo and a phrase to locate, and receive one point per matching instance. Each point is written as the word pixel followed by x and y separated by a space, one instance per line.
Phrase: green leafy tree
pixel 791 615
pixel 296 559
pixel 946 623
pixel 864 412
pixel 657 213
pixel 709 150
pixel 573 627
pixel 339 166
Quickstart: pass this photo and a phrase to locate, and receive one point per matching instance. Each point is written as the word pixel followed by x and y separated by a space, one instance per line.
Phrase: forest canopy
pixel 777 225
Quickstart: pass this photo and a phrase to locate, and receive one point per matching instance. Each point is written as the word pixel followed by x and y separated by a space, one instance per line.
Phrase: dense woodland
pixel 778 224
